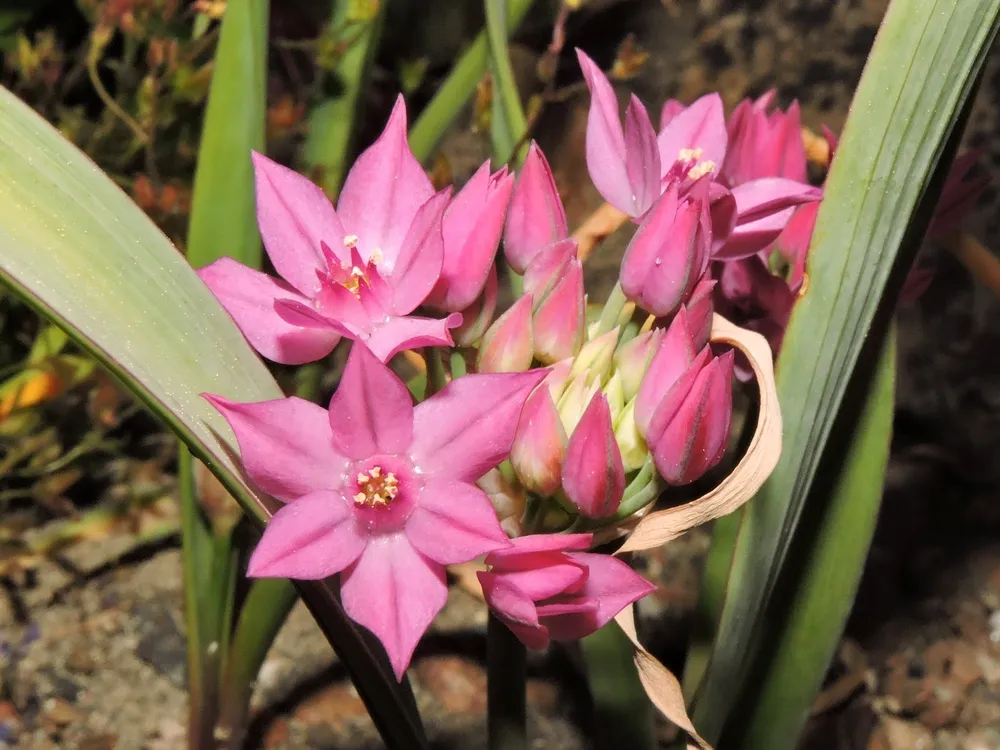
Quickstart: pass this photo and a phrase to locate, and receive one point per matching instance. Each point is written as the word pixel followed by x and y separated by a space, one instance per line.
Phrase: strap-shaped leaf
pixel 79 251
pixel 920 72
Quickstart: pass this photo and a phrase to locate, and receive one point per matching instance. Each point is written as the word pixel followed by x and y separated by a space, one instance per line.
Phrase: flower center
pixel 359 273
pixel 690 161
pixel 377 488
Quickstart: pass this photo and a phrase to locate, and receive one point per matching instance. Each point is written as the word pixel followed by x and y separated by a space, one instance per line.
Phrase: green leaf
pixel 920 73
pixel 331 122
pixel 79 251
pixel 509 123
pixel 804 635
pixel 234 126
pixel 458 87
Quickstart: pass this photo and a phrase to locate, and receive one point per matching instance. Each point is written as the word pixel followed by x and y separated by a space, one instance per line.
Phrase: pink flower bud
pixel 668 253
pixel 536 217
pixel 699 312
pixel 477 317
pixel 593 476
pixel 557 378
pixel 560 316
pixel 575 398
pixel 473 223
pixel 548 266
pixel 687 437
pixel 507 345
pixel 632 360
pixel 539 444
pixel 675 359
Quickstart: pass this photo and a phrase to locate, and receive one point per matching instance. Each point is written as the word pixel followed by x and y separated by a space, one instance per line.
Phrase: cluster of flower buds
pixel 568 422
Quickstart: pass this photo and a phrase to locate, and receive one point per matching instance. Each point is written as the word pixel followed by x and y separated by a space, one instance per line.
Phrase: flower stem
pixel 505 698
pixel 612 309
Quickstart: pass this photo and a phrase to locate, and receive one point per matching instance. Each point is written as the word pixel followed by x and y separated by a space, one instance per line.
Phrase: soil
pixel 92 643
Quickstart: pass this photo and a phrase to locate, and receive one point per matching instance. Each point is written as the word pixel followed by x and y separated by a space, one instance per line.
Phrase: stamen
pixel 376 256
pixel 377 490
pixel 701 169
pixel 689 154
pixel 376 472
pixel 351 241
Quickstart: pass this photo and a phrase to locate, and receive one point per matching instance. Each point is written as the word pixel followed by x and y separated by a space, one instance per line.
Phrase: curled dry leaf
pixel 761 457
pixel 660 527
pixel 600 225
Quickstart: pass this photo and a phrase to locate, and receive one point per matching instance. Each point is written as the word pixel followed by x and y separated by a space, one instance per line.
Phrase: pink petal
pixel 467 428
pixel 397 334
pixel 306 316
pixel 764 197
pixel 294 216
pixel 593 474
pixel 508 345
pixel 396 593
pixel 548 266
pixel 579 607
pixel 249 297
pixel 547 581
pixel 752 237
pixel 535 218
pixel 612 584
pixel 337 302
pixel 642 159
pixel 285 445
pixel 516 610
pixel 536 543
pixel 308 539
pixel 384 189
pixel 673 357
pixel 671 108
pixel 454 522
pixel 476 318
pixel 702 125
pixel 417 268
pixel 473 225
pixel 539 445
pixel 372 410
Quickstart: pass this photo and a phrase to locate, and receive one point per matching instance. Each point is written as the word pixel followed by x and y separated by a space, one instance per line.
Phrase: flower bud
pixel 560 317
pixel 632 360
pixel 507 345
pixel 699 309
pixel 596 357
pixel 477 317
pixel 668 253
pixel 593 477
pixel 688 436
pixel 614 391
pixel 508 501
pixel 558 378
pixel 472 225
pixel 630 442
pixel 574 400
pixel 539 445
pixel 672 361
pixel 548 266
pixel 536 217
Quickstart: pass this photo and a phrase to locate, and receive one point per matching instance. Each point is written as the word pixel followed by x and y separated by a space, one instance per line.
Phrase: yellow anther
pixel 378 490
pixel 376 256
pixel 361 498
pixel 351 240
pixel 689 154
pixel 701 169
pixel 376 472
pixel 363 478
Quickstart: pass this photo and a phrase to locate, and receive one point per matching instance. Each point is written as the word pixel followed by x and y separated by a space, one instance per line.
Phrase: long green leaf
pixel 332 121
pixel 223 220
pixel 458 87
pixel 77 249
pixel 920 73
pixel 800 649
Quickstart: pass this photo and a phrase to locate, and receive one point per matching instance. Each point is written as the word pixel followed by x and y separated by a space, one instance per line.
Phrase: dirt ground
pixel 92 643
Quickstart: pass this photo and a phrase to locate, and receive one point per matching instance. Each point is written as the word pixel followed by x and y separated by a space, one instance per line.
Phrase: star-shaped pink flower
pixel 379 490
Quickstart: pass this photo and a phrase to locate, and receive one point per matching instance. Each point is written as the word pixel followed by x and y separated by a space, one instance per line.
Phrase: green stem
pixel 265 610
pixel 506 691
pixel 505 86
pixel 612 309
pixel 458 87
pixel 437 377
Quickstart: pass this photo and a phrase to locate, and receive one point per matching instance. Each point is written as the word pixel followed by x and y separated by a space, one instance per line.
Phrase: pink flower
pixel 539 445
pixel 378 490
pixel 554 278
pixel 357 271
pixel 508 345
pixel 692 144
pixel 546 587
pixel 473 224
pixel 763 144
pixel 959 194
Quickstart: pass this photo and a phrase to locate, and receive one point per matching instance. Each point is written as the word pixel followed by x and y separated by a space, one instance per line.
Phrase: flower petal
pixel 611 583
pixel 593 475
pixel 396 593
pixel 536 543
pixel 516 610
pixel 454 522
pixel 408 332
pixel 547 581
pixel 700 126
pixel 384 189
pixel 294 216
pixel 371 411
pixel 535 218
pixel 308 539
pixel 468 427
pixel 284 444
pixel 642 158
pixel 415 271
pixel 249 297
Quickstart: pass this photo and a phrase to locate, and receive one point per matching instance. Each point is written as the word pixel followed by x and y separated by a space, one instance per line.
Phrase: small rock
pixel 543 696
pixel 98 742
pixel 896 734
pixel 57 714
pixel 10 723
pixel 80 660
pixel 277 734
pixel 161 643
pixel 458 685
pixel 333 707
